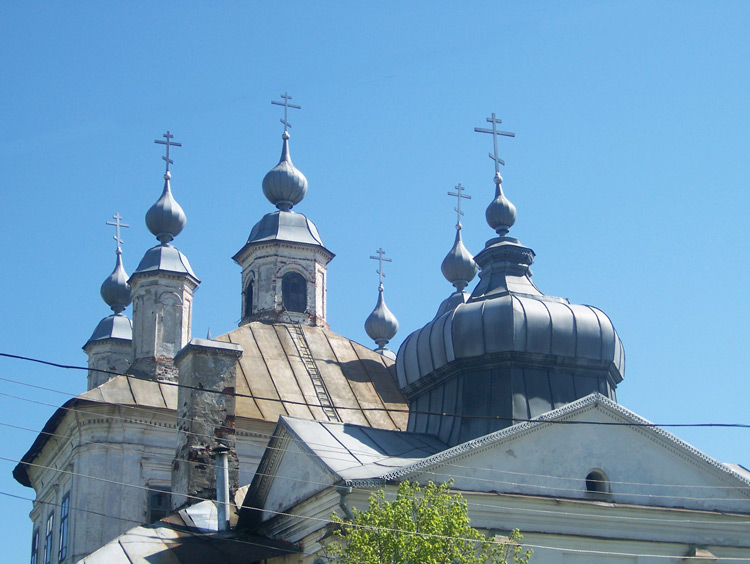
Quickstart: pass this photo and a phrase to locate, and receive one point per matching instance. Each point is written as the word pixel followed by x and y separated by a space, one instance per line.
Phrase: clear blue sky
pixel 629 172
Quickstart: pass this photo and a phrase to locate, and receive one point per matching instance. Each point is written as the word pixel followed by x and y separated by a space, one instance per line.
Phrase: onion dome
pixel 381 325
pixel 284 185
pixel 115 289
pixel 501 213
pixel 509 352
pixel 165 218
pixel 458 265
pixel 117 294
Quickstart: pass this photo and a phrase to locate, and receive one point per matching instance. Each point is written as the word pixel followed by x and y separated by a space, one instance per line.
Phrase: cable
pixel 390 410
pixel 343 449
pixel 415 533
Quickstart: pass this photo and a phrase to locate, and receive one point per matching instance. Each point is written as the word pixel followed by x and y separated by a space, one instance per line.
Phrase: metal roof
pixel 355 453
pixel 189 536
pixel 164 258
pixel 272 380
pixel 355 377
pixel 285 226
pixel 115 326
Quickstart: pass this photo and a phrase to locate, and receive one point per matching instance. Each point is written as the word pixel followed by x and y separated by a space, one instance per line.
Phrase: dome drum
pixel 489 396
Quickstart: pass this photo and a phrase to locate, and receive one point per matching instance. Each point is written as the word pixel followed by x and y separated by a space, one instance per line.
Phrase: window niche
pixel 294 292
pixel 159 502
pixel 249 295
pixel 597 485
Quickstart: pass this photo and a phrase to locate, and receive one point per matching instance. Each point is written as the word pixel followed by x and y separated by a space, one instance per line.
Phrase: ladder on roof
pixel 300 341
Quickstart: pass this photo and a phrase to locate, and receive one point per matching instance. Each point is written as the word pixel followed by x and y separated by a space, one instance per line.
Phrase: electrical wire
pixel 386 409
pixel 326 448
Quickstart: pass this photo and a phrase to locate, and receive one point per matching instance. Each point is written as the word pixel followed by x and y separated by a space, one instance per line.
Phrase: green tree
pixel 428 525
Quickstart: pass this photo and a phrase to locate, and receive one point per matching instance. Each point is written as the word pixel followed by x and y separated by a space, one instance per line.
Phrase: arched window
pixel 597 482
pixel 294 292
pixel 249 298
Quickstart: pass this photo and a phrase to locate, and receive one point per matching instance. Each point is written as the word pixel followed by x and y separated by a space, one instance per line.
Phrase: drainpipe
pixel 344 491
pixel 222 487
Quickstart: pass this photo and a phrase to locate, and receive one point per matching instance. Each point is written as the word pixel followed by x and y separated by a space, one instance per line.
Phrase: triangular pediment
pixel 626 459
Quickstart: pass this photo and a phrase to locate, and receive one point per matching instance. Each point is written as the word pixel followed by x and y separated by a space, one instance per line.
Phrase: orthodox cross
pixel 286 105
pixel 117 225
pixel 494 121
pixel 169 143
pixel 381 259
pixel 458 196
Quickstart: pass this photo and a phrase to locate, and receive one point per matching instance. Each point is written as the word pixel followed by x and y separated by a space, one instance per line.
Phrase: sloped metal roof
pixel 271 381
pixel 189 536
pixel 359 381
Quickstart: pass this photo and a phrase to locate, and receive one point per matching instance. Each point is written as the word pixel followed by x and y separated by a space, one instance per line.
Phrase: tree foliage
pixel 428 525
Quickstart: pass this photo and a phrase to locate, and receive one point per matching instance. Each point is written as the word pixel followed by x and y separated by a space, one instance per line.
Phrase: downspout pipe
pixel 222 487
pixel 344 491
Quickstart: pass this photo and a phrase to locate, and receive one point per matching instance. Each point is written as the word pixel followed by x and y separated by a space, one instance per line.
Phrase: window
pixel 249 298
pixel 294 292
pixel 597 482
pixel 63 542
pixel 158 503
pixel 48 539
pixel 35 547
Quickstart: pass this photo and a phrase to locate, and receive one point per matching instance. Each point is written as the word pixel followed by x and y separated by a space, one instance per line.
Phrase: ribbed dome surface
pixel 284 185
pixel 115 290
pixel 511 323
pixel 113 327
pixel 165 219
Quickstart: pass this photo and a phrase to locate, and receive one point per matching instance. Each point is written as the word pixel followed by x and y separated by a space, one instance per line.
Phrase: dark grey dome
pixel 381 325
pixel 115 326
pixel 165 219
pixel 285 226
pixel 506 353
pixel 164 258
pixel 284 185
pixel 115 290
pixel 458 266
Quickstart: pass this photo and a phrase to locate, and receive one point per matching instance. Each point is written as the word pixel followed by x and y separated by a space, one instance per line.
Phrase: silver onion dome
pixel 501 213
pixel 458 266
pixel 165 219
pixel 115 289
pixel 381 325
pixel 284 185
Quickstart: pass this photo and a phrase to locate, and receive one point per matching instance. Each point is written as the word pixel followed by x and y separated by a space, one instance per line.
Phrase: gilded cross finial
pixel 169 143
pixel 494 131
pixel 286 105
pixel 458 195
pixel 117 226
pixel 381 259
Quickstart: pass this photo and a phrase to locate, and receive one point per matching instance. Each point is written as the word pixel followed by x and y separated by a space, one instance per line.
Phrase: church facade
pixel 508 392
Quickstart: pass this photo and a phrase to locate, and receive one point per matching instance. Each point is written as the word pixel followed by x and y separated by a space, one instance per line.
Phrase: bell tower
pixel 284 261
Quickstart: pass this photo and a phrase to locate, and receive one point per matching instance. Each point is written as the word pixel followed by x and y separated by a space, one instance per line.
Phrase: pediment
pixel 637 463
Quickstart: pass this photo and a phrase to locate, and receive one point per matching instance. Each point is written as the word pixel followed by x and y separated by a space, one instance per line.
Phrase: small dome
pixel 165 218
pixel 285 226
pixel 164 258
pixel 115 289
pixel 458 265
pixel 381 325
pixel 284 185
pixel 115 326
pixel 501 213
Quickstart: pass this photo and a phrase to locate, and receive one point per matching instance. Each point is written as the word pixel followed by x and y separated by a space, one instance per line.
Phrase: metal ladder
pixel 300 341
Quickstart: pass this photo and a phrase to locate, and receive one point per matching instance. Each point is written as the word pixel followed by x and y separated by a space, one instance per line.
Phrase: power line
pixel 512 420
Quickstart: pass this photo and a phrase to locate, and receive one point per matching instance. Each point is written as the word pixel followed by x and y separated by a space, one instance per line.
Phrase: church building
pixel 240 447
